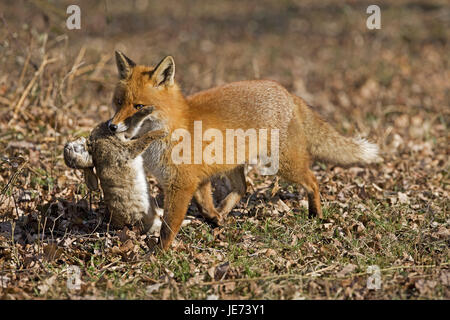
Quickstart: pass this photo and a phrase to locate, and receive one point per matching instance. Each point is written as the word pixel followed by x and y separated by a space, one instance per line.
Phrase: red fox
pixel 302 136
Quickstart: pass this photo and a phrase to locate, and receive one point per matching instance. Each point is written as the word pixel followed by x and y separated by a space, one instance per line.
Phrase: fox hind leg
pixel 238 189
pixel 303 176
pixel 203 196
pixel 312 189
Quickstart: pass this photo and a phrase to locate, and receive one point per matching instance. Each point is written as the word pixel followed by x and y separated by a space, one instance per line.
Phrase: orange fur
pixel 261 104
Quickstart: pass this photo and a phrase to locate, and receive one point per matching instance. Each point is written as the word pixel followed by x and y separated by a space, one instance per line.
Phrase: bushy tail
pixel 325 143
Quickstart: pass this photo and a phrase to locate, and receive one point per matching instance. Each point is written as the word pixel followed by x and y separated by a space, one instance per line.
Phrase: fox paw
pixel 216 221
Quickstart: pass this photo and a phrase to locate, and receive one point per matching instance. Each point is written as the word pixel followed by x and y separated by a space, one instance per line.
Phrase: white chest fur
pixel 140 184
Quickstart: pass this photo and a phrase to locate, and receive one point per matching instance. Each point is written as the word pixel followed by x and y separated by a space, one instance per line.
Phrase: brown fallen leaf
pixel 221 271
pixel 445 278
pixel 52 252
pixel 127 246
pixel 349 268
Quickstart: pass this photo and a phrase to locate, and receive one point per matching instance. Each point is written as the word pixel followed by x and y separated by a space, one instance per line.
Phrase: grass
pixel 391 85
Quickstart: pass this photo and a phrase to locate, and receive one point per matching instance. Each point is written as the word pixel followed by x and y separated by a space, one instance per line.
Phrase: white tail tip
pixel 369 151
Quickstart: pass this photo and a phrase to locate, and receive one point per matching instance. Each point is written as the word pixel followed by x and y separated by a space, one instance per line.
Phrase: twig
pixel 75 69
pixel 12 179
pixel 101 64
pixel 310 275
pixel 5 101
pixel 25 66
pixel 30 85
pixel 47 7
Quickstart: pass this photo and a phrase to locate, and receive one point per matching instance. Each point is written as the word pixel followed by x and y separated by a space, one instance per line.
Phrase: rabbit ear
pixel 91 179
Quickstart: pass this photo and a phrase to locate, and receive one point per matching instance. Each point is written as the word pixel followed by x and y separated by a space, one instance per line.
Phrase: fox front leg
pixel 176 203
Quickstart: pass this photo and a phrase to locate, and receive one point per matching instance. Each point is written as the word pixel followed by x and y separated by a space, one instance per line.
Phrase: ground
pixel 390 85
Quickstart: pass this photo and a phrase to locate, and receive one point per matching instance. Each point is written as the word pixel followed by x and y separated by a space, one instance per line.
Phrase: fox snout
pixel 116 128
pixel 132 122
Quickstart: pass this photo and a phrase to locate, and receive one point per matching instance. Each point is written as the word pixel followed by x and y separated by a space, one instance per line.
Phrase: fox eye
pixel 119 102
pixel 138 106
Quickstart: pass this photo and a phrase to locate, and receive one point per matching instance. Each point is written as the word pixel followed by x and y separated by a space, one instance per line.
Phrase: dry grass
pixel 391 85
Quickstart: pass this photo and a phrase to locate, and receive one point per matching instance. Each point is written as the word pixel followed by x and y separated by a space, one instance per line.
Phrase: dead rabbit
pixel 119 167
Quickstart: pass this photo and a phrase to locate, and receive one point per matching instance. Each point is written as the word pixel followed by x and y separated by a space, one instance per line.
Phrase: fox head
pixel 142 87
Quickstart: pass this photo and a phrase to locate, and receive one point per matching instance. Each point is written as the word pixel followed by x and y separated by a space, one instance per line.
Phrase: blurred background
pixel 320 51
pixel 390 85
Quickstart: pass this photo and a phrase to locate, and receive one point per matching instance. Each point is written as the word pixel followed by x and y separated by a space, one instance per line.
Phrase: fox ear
pixel 124 65
pixel 164 72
